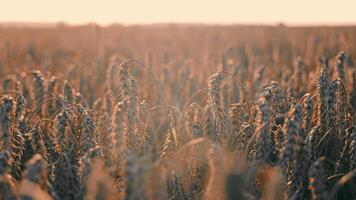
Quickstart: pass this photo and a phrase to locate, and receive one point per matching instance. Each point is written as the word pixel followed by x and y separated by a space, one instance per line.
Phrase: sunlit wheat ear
pixel 216 120
pixel 124 82
pixel 129 93
pixel 119 138
pixel 246 134
pixel 167 148
pixel 144 127
pixel 98 107
pixel 38 90
pixel 68 93
pixel 110 76
pixel 192 116
pixel 133 111
pixel 103 138
pixel 317 180
pixel 237 115
pixel 17 151
pixel 308 107
pixel 170 140
pixel 109 103
pixel 340 65
pixel 7 184
pixel 293 130
pixel 117 121
pixel 37 142
pixel 175 121
pixel 278 138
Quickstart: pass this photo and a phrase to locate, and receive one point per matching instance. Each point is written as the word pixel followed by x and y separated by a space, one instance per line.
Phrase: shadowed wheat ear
pixel 342 106
pixel 7 184
pixel 68 92
pixel 323 88
pixel 308 106
pixel 258 78
pixel 339 65
pixel 297 179
pixel 67 180
pixel 264 144
pixel 353 148
pixel 20 107
pixel 293 129
pixel 60 123
pixel 317 180
pixel 87 136
pixel 6 110
pixel 39 91
pixel 36 173
pixel 52 93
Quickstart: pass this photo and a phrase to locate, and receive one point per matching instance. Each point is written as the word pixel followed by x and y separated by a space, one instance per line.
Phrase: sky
pixel 293 12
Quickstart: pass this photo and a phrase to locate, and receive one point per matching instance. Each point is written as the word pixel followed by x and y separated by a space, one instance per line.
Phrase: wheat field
pixel 177 112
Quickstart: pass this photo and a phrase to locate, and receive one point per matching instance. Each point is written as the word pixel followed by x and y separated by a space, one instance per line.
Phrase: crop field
pixel 177 112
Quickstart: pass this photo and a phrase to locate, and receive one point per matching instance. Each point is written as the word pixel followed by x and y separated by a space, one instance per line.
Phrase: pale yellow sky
pixel 185 11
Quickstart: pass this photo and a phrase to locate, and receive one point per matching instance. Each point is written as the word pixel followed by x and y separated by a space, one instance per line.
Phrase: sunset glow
pixel 184 11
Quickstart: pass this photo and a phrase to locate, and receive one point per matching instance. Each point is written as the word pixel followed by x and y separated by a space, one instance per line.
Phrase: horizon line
pixel 14 23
